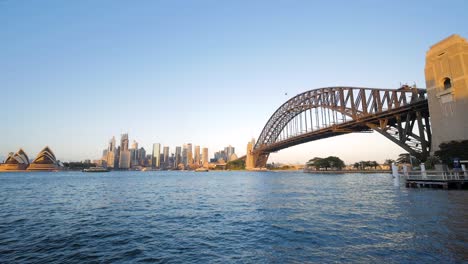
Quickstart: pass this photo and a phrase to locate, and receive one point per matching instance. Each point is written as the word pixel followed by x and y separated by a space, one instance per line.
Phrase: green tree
pixel 335 162
pixel 326 163
pixel 389 162
pixel 236 165
pixel 357 165
pixel 373 164
pixel 431 161
pixel 453 149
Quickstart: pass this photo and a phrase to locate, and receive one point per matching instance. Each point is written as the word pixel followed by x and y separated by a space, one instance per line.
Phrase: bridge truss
pixel 400 115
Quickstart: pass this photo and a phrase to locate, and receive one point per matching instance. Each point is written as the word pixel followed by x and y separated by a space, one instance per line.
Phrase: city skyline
pixel 123 157
pixel 213 75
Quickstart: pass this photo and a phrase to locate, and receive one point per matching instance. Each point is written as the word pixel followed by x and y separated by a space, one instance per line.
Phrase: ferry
pixel 201 170
pixel 96 169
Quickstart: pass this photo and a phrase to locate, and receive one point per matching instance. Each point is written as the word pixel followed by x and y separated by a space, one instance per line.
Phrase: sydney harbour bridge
pixel 401 115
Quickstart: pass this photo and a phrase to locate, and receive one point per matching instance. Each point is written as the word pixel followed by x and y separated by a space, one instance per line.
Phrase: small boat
pixel 201 170
pixel 96 169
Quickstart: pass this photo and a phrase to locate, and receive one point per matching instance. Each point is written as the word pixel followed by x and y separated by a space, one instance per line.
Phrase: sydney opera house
pixel 19 161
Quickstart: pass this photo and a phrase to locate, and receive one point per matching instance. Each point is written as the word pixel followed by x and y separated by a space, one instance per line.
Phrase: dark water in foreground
pixel 223 217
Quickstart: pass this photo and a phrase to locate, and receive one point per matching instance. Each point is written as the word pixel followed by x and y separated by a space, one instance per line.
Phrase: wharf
pixel 437 180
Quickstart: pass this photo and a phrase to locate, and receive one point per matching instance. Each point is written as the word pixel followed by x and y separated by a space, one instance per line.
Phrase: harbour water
pixel 227 217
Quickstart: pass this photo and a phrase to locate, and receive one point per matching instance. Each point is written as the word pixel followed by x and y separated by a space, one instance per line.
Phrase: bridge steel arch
pixel 401 115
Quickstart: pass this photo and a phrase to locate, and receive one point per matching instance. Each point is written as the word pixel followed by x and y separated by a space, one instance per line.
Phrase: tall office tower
pixel 134 154
pixel 156 157
pixel 117 157
pixel 189 154
pixel 124 159
pixel 197 155
pixel 185 156
pixel 220 155
pixel 141 156
pixel 134 144
pixel 111 154
pixel 205 157
pixel 228 151
pixel 104 154
pixel 166 155
pixel 178 156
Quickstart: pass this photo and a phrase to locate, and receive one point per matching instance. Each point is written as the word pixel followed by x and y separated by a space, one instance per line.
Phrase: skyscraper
pixel 166 155
pixel 189 154
pixel 124 159
pixel 184 155
pixel 228 151
pixel 197 155
pixel 141 156
pixel 156 162
pixel 111 154
pixel 134 154
pixel 205 157
pixel 178 156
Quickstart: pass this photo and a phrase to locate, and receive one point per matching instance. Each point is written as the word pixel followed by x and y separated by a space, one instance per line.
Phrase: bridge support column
pixel 447 89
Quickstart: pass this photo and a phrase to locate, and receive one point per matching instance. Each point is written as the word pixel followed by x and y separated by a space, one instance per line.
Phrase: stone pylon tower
pixel 250 158
pixel 447 88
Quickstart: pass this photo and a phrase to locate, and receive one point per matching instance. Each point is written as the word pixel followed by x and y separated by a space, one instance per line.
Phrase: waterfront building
pixel 446 75
pixel 220 155
pixel 177 157
pixel 205 157
pixel 156 157
pixel 197 158
pixel 166 155
pixel 228 151
pixel 233 157
pixel 111 154
pixel 141 156
pixel 45 161
pixel 17 161
pixel 184 156
pixel 124 158
pixel 134 154
pixel 189 154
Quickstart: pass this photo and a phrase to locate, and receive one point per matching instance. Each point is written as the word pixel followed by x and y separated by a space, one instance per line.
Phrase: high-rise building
pixel 134 154
pixel 156 157
pixel 134 144
pixel 197 155
pixel 141 156
pixel 205 157
pixel 124 159
pixel 178 157
pixel 111 154
pixel 189 154
pixel 228 151
pixel 185 155
pixel 166 155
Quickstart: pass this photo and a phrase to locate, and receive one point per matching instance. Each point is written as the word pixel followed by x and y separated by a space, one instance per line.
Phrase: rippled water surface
pixel 223 217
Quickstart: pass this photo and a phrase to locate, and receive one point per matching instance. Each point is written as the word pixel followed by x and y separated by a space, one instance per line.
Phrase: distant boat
pixel 96 169
pixel 201 170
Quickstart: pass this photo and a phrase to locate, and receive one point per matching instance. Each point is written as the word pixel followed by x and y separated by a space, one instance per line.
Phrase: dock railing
pixel 423 174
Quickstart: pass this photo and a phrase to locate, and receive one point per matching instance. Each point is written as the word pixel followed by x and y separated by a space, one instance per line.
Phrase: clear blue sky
pixel 74 73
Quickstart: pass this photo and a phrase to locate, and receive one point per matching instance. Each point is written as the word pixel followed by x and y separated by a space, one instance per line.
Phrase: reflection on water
pixel 226 217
